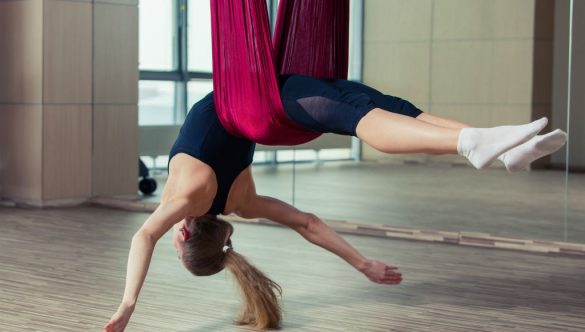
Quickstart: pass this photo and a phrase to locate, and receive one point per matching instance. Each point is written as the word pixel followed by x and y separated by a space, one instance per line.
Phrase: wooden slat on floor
pixel 63 270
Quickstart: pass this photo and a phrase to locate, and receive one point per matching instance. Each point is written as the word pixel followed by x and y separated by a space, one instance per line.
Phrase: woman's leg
pixel 515 159
pixel 443 122
pixel 396 133
pixel 520 157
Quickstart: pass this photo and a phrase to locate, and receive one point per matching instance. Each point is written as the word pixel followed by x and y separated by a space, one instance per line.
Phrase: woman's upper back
pixel 203 138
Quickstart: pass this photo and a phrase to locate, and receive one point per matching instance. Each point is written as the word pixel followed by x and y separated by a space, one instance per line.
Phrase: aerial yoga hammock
pixel 311 38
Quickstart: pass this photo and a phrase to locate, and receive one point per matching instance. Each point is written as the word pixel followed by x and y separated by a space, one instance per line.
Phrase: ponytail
pixel 208 250
pixel 261 308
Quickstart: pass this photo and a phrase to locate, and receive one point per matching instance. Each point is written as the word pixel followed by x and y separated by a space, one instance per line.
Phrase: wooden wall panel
pixel 115 146
pixel 485 58
pixel 21 34
pixel 20 151
pixel 116 54
pixel 483 19
pixel 392 20
pixel 66 151
pixel 67 67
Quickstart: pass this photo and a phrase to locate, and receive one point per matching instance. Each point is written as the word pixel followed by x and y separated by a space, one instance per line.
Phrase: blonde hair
pixel 204 255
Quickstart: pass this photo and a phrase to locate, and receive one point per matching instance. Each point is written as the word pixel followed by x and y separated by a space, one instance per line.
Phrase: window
pixel 199 36
pixel 157 35
pixel 175 59
pixel 197 89
pixel 156 101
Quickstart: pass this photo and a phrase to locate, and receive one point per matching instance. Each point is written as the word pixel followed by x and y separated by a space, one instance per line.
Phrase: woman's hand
pixel 381 273
pixel 120 319
pixel 141 249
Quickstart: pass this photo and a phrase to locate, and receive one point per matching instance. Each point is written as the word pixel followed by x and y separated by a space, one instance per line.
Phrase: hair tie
pixel 226 248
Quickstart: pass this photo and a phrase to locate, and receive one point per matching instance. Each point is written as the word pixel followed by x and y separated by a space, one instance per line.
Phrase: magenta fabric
pixel 246 94
pixel 312 38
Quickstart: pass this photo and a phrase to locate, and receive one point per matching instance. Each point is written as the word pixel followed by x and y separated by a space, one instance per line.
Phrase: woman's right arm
pixel 141 249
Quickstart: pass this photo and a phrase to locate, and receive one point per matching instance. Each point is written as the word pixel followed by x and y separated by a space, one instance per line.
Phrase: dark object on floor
pixel 146 184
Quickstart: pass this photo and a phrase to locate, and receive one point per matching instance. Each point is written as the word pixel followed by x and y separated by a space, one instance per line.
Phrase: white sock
pixel 539 146
pixel 481 146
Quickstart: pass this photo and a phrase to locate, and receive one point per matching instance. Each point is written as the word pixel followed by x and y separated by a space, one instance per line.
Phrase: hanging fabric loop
pixel 246 93
pixel 312 38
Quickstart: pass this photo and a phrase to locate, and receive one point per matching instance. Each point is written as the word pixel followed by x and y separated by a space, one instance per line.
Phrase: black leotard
pixel 321 105
pixel 203 137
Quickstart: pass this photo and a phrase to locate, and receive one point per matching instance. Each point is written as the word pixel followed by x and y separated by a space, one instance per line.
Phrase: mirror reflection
pixel 483 63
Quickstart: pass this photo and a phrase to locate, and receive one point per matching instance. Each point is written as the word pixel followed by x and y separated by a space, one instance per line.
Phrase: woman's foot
pixel 539 146
pixel 481 146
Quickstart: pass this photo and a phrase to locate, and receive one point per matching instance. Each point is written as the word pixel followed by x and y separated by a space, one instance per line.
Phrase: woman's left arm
pixel 318 232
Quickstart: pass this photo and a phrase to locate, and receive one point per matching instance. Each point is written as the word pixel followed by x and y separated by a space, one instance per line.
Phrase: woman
pixel 209 174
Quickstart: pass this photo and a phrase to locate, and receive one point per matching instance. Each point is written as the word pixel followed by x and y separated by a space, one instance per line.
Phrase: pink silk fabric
pixel 311 38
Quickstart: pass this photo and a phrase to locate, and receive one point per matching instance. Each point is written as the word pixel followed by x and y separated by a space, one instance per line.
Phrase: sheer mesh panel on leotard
pixel 339 117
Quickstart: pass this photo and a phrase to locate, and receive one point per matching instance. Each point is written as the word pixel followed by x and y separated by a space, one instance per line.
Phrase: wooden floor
pixel 63 270
pixel 525 205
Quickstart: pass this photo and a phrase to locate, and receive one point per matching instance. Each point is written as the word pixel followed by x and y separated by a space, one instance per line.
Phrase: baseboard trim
pixel 40 204
pixel 471 239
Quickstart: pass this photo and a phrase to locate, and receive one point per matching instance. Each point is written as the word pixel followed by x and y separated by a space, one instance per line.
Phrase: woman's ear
pixel 185 233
